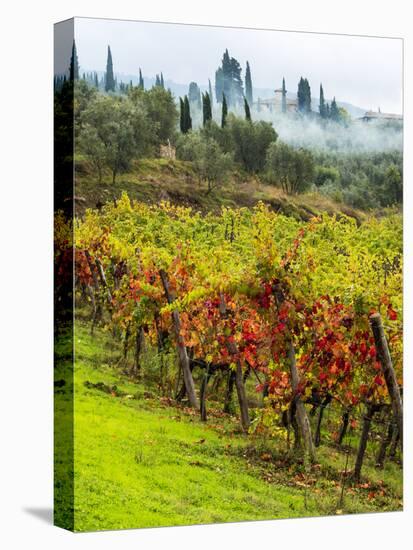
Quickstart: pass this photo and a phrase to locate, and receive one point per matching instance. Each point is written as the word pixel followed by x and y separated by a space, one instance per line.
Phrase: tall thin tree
pixel 307 96
pixel 206 108
pixel 182 115
pixel 109 77
pixel 322 105
pixel 74 64
pixel 210 92
pixel 187 115
pixel 141 84
pixel 283 98
pixel 304 96
pixel 247 110
pixel 224 111
pixel 334 111
pixel 248 84
pixel 219 84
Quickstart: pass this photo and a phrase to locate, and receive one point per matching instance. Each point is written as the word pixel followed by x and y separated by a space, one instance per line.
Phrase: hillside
pixel 155 180
pixel 141 461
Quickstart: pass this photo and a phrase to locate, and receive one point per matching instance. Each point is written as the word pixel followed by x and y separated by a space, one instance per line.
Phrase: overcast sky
pixel 360 70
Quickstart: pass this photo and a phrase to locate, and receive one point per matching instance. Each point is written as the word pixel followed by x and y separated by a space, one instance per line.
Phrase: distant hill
pixel 180 90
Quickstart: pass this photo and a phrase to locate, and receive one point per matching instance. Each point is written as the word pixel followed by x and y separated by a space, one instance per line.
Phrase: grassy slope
pixel 153 180
pixel 141 462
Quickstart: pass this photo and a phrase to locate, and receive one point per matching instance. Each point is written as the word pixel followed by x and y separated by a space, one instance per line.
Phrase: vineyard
pixel 291 330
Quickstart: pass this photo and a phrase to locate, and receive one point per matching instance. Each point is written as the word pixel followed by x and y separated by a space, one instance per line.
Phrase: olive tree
pixel 292 168
pixel 94 148
pixel 161 110
pixel 210 163
pixel 120 132
pixel 250 141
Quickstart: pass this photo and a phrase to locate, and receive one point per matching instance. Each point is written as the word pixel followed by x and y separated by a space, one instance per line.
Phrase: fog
pixel 357 136
pixel 309 132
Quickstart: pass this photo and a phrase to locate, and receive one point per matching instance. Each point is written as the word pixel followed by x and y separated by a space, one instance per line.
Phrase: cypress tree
pixel 236 87
pixel 226 76
pixel 327 110
pixel 194 94
pixel 334 111
pixel 248 85
pixel 300 95
pixel 304 96
pixel 206 108
pixel 224 111
pixel 109 80
pixel 322 105
pixel 230 83
pixel 247 110
pixel 210 92
pixel 157 80
pixel 74 64
pixel 283 98
pixel 181 115
pixel 187 115
pixel 307 96
pixel 219 84
pixel 141 84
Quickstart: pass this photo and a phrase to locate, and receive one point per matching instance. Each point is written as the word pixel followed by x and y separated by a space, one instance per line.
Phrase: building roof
pixel 382 116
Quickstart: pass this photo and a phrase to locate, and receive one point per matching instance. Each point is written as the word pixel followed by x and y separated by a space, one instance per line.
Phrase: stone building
pixel 370 116
pixel 274 104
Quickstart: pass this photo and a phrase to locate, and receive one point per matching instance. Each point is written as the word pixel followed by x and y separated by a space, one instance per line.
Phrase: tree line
pixel 229 84
pixel 113 129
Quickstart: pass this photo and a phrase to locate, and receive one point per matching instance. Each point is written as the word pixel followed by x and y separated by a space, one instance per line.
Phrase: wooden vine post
pixel 383 355
pixel 372 408
pixel 301 413
pixel 386 441
pixel 103 279
pixel 94 293
pixel 239 381
pixel 180 344
pixel 139 343
pixel 326 401
pixel 345 418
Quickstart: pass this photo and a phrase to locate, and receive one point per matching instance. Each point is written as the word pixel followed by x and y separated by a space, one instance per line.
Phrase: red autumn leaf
pixel 378 380
pixel 372 351
pixel 391 314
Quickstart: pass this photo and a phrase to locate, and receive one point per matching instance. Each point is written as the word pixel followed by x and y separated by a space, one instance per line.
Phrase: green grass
pixel 142 462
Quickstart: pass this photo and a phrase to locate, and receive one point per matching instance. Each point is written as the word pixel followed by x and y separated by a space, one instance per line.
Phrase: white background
pixel 26 56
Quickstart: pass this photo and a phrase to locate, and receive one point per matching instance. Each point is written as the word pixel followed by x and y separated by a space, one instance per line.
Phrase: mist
pixel 311 133
pixel 357 136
